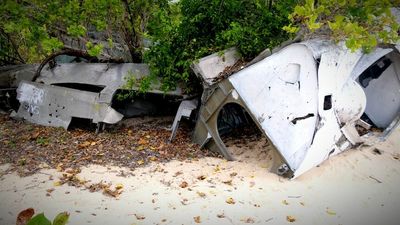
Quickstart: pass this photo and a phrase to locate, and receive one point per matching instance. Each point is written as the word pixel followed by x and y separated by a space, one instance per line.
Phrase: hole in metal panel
pixel 328 102
pixel 295 120
pixel 381 82
pixel 132 104
pixel 374 71
pixel 82 87
pixel 244 140
pixel 81 123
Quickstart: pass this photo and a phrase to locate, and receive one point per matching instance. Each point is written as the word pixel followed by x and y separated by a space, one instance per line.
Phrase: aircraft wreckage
pixel 312 99
pixel 80 90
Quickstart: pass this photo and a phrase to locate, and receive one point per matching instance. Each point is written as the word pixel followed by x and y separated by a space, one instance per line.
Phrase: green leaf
pixel 314 26
pixel 94 50
pixel 291 29
pixel 352 44
pixel 110 42
pixel 39 219
pixel 61 219
pixel 51 45
pixel 9 27
pixel 76 30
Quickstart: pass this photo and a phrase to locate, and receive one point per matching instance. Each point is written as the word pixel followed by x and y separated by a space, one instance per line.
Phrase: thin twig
pixel 373 178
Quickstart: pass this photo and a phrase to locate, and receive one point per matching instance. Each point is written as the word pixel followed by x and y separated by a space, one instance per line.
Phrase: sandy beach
pixel 360 186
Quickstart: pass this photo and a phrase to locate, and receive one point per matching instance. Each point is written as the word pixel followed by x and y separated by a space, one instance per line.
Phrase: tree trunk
pixel 131 37
pixel 71 52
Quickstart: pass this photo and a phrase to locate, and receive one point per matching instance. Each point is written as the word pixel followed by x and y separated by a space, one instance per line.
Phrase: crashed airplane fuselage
pixel 81 90
pixel 310 99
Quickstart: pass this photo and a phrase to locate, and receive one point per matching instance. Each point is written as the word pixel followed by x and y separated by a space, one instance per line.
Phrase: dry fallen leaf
pixel 119 186
pixel 201 194
pixel 24 216
pixel 290 219
pixel 330 212
pixel 178 173
pixel 197 219
pixel 44 166
pixel 35 135
pixel 227 182
pixel 59 167
pixel 233 174
pixel 107 191
pixel 184 184
pixel 285 202
pixel 57 183
pixel 230 201
pixel 84 144
pixel 143 141
pixel 248 220
pixel 140 162
pixel 252 183
pixel 184 201
pixel 201 177
pixel 139 217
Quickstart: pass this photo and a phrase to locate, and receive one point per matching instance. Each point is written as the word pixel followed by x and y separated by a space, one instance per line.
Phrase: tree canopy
pixel 184 31
pixel 206 27
pixel 38 28
pixel 360 23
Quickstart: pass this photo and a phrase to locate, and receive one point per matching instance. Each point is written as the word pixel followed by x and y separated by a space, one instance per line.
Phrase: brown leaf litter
pixel 30 148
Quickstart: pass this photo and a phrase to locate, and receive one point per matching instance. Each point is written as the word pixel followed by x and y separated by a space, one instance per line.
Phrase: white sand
pixel 344 190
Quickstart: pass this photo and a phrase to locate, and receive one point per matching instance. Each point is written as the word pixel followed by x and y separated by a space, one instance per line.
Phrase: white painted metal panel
pixel 334 73
pixel 383 95
pixel 55 106
pixel 281 92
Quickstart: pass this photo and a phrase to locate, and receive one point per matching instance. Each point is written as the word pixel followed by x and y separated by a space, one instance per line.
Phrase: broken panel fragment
pixel 89 91
pixel 55 106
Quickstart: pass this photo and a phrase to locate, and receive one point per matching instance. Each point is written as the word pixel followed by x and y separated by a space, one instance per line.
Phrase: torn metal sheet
pixel 11 76
pixel 383 88
pixel 284 99
pixel 83 90
pixel 55 106
pixel 208 68
pixel 309 99
pixel 185 110
pixel 111 76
